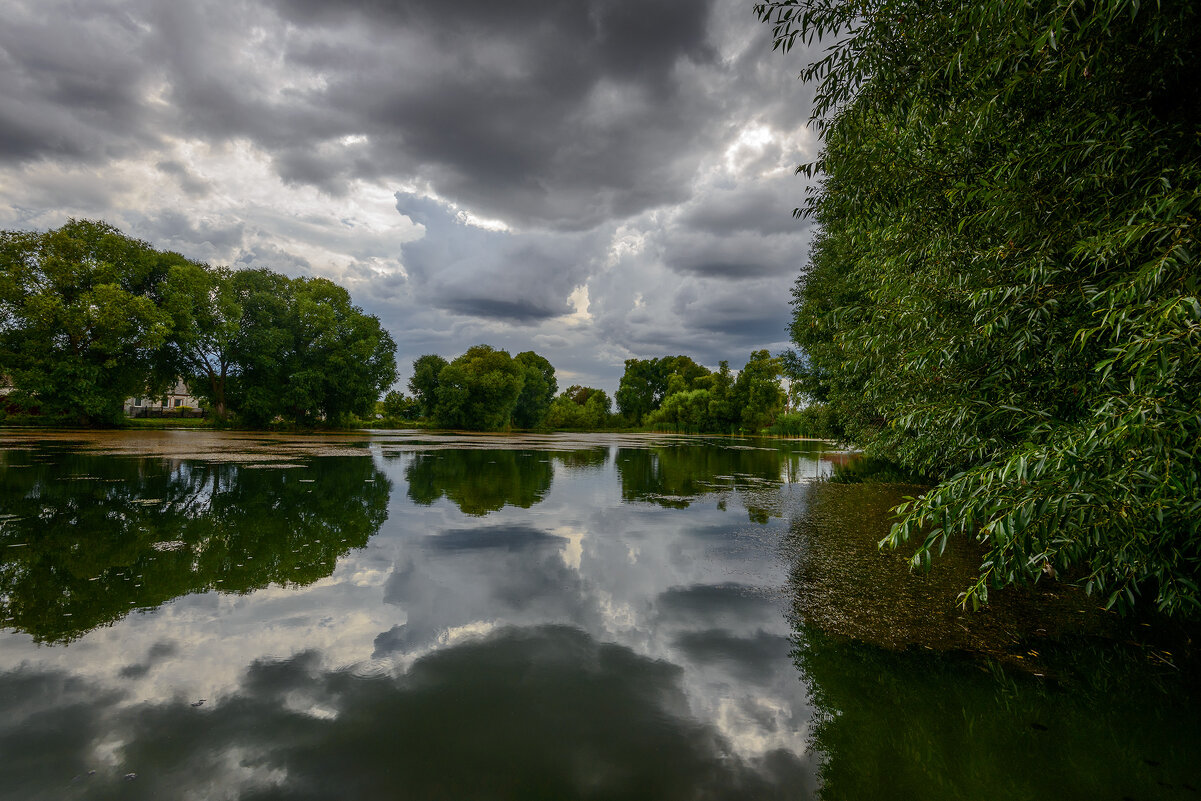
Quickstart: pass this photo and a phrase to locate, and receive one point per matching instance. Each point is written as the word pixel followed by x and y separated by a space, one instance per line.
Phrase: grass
pixel 168 422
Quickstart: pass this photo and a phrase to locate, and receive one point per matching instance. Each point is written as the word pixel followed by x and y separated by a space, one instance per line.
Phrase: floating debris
pixel 169 545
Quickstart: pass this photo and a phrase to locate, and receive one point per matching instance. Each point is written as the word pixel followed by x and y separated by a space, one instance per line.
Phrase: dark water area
pixel 409 615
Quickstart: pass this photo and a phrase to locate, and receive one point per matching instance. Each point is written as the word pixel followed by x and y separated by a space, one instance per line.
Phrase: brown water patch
pixel 845 585
pixel 282 450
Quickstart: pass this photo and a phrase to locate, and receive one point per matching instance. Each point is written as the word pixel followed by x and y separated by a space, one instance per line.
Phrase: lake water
pixel 191 615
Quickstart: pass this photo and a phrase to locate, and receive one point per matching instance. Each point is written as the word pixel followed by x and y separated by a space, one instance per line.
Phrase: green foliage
pixel 538 388
pixel 816 421
pixel 580 407
pixel 398 406
pixel 478 390
pixel 1004 290
pixel 479 481
pixel 89 317
pixel 719 403
pixel 757 393
pixel 210 302
pixel 646 382
pixel 424 383
pixel 78 553
pixel 686 411
pixel 641 389
pixel 82 323
pixel 342 359
pixel 304 352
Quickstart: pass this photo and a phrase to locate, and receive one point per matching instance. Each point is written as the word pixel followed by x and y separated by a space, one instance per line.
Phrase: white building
pixel 178 397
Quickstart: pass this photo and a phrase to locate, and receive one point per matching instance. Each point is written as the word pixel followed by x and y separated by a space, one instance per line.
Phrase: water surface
pixel 198 615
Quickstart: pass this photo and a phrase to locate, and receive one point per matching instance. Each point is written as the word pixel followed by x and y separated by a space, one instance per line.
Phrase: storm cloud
pixel 594 180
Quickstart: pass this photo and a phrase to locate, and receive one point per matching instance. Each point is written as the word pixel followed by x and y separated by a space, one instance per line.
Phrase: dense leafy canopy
pixel 1004 290
pixel 580 407
pixel 89 317
pixel 646 382
pixel 91 538
pixel 485 389
pixel 335 361
pixel 538 388
pixel 83 324
pixel 398 406
pixel 481 390
pixel 719 402
pixel 209 301
pixel 424 383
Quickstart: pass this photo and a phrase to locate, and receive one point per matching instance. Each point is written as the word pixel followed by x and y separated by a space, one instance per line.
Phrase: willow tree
pixel 1003 293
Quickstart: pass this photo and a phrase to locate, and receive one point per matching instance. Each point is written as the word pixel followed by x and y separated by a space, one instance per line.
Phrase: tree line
pixel 487 389
pixel 90 317
pixel 1003 291
pixel 677 393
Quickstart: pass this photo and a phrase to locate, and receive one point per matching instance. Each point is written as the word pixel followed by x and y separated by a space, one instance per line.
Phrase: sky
pixel 594 180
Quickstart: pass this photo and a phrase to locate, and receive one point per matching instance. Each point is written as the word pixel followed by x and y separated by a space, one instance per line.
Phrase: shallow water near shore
pixel 197 614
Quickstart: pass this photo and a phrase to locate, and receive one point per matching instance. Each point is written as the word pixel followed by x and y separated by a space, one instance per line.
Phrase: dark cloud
pixel 707 266
pixel 176 231
pixel 73 91
pixel 762 207
pixel 49 725
pixel 507 538
pixel 752 659
pixel 545 712
pixel 515 277
pixel 559 114
pixel 710 320
pixel 156 653
pixel 196 187
pixel 583 127
pixel 723 606
pixel 272 257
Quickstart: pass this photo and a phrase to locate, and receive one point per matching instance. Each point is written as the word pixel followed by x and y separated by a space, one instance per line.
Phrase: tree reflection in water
pixel 87 539
pixel 479 481
pixel 482 481
pixel 675 476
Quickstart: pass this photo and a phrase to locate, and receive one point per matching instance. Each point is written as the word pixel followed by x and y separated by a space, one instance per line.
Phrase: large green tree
pixel 538 388
pixel 424 383
pixel 757 394
pixel 646 382
pixel 210 302
pixel 263 344
pixel 479 390
pixel 83 324
pixel 580 407
pixel 1004 290
pixel 340 359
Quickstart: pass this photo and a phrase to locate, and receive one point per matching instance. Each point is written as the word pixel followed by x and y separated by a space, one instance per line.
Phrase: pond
pixel 199 615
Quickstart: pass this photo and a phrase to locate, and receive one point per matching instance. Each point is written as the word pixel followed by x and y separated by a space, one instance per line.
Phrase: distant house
pixel 179 397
